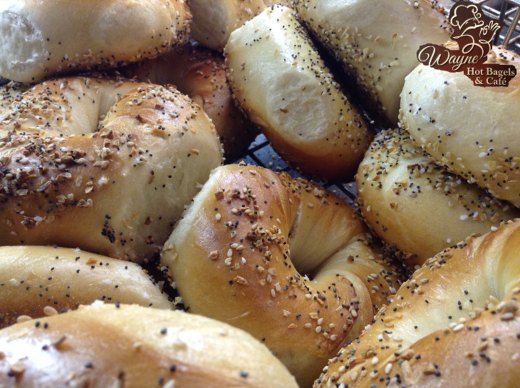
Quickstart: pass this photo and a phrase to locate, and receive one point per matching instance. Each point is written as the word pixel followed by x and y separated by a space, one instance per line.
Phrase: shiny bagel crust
pixel 134 347
pixel 37 281
pixel 455 323
pixel 238 254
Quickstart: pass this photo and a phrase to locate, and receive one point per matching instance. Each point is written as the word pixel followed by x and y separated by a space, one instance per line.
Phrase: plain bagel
pixel 39 281
pixel 200 74
pixel 456 323
pixel 376 41
pixel 42 39
pixel 113 187
pixel 238 254
pixel 416 206
pixel 134 347
pixel 471 130
pixel 281 82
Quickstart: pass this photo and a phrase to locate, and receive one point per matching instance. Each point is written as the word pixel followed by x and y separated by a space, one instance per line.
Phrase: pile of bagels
pixel 135 253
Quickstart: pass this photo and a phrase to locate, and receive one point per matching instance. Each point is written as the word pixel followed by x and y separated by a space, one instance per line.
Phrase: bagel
pixel 135 347
pixel 10 92
pixel 237 254
pixel 280 81
pixel 36 281
pixel 116 192
pixel 42 39
pixel 200 73
pixel 215 20
pixel 376 41
pixel 456 323
pixel 418 207
pixel 471 130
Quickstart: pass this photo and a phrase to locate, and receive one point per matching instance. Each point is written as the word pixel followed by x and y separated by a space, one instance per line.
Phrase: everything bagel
pixel 418 207
pixel 113 187
pixel 456 323
pixel 240 252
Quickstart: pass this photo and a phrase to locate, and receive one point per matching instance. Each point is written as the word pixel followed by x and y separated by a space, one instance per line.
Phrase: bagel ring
pixel 282 84
pixel 471 130
pixel 117 191
pixel 456 323
pixel 417 207
pixel 134 347
pixel 42 39
pixel 237 254
pixel 37 281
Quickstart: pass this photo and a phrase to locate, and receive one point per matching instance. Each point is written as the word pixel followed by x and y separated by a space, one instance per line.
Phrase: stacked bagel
pixel 101 173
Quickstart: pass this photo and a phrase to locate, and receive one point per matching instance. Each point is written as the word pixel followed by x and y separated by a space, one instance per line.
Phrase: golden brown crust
pixel 115 192
pixel 252 232
pixel 456 323
pixel 285 88
pixel 200 73
pixel 418 207
pixel 134 347
pixel 43 39
pixel 37 281
pixel 471 130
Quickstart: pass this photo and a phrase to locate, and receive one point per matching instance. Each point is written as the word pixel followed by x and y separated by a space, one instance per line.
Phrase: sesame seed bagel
pixel 42 39
pixel 200 73
pixel 38 281
pixel 237 254
pixel 456 323
pixel 134 347
pixel 376 41
pixel 113 187
pixel 10 92
pixel 281 82
pixel 418 207
pixel 471 130
pixel 215 20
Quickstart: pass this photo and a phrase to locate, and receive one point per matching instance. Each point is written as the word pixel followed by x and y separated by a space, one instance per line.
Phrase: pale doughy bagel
pixel 115 192
pixel 376 41
pixel 238 252
pixel 471 130
pixel 456 323
pixel 418 207
pixel 283 85
pixel 36 281
pixel 135 347
pixel 41 39
pixel 200 73
pixel 215 20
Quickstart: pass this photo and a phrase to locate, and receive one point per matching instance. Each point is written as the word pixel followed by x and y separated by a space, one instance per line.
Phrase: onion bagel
pixel 471 130
pixel 114 188
pixel 37 281
pixel 376 41
pixel 134 347
pixel 200 73
pixel 456 323
pixel 42 39
pixel 239 252
pixel 418 207
pixel 281 82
